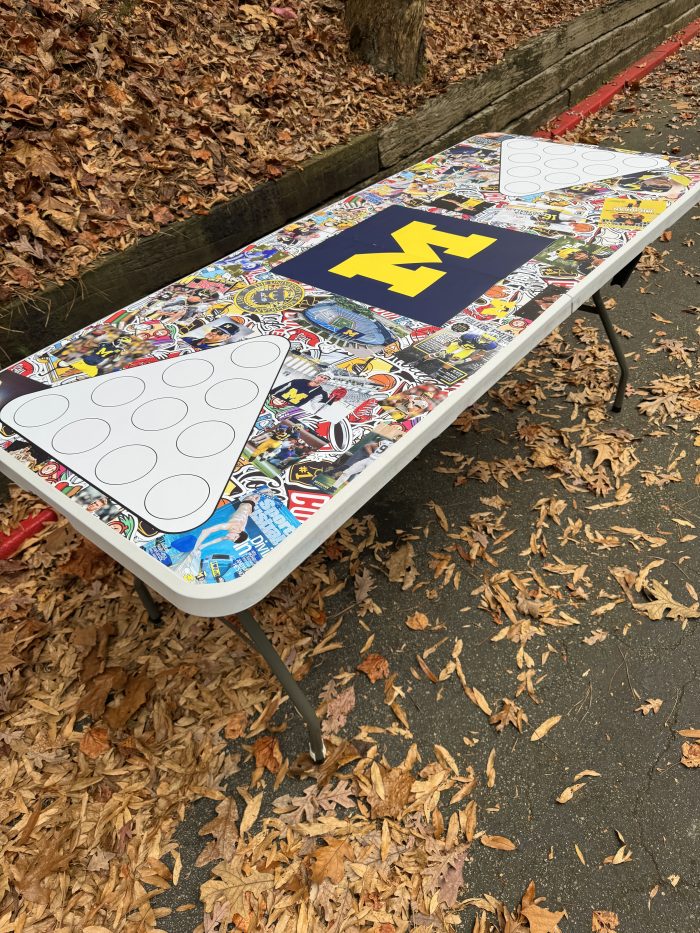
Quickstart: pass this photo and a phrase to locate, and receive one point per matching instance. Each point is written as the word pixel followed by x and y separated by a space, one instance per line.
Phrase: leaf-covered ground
pixel 504 645
pixel 118 117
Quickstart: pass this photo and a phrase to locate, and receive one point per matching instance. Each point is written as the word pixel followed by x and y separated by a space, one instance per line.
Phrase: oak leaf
pixel 418 621
pixel 375 666
pixel 242 890
pixel 662 603
pixel 19 99
pixel 29 884
pixel 510 715
pixel 401 566
pixel 224 829
pixel 8 661
pixel 39 227
pixel 314 800
pixel 95 742
pixel 604 921
pixel 542 920
pixel 329 860
pixel 338 708
pixel 267 753
pixel 235 725
pixel 446 875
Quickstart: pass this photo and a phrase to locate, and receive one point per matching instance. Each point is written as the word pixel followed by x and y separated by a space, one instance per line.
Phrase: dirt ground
pixel 505 642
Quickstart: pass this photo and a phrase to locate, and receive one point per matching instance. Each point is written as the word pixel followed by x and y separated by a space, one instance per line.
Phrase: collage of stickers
pixel 207 421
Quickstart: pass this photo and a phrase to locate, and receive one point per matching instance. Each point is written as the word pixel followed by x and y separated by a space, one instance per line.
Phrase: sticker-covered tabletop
pixel 196 431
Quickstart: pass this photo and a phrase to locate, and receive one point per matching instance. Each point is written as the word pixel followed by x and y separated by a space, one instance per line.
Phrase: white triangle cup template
pixel 535 166
pixel 161 439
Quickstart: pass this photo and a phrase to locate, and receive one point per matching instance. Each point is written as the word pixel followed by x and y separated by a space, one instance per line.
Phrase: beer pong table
pixel 211 435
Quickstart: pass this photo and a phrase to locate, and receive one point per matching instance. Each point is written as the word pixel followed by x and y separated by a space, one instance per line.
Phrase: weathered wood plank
pixel 577 65
pixel 534 118
pixel 682 16
pixel 594 62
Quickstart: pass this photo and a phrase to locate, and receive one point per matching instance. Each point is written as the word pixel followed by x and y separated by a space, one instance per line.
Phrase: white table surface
pixel 193 443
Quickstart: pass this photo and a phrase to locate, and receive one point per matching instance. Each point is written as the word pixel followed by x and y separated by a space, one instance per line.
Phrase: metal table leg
pixel 260 641
pixel 620 278
pixel 147 600
pixel 282 673
pixel 602 313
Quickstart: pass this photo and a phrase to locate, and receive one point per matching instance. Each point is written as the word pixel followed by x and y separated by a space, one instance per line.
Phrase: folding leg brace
pixel 259 640
pixel 620 278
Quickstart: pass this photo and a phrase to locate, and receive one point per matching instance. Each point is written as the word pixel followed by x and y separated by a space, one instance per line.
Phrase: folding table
pixel 211 435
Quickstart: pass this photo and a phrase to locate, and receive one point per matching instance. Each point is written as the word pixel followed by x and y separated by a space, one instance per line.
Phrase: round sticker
pixel 269 295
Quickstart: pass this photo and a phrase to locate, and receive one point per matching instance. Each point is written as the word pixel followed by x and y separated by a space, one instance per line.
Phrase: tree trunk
pixel 388 34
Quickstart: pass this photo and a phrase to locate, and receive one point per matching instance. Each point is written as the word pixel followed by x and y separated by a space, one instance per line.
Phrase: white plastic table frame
pixel 244 592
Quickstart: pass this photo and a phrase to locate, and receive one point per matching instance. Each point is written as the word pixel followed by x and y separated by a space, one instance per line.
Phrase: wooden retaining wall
pixel 533 82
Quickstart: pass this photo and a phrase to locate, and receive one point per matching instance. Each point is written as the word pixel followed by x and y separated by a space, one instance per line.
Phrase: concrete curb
pixel 532 83
pixel 631 76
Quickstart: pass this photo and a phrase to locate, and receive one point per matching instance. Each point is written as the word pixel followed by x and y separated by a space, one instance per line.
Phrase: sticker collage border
pixel 356 378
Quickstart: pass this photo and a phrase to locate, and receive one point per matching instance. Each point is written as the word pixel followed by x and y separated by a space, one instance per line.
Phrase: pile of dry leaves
pixel 121 116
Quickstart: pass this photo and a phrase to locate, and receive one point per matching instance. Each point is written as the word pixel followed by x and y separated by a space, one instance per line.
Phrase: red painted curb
pixel 602 97
pixel 10 544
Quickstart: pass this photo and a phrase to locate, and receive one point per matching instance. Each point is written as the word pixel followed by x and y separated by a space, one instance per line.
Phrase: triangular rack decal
pixel 534 166
pixel 161 439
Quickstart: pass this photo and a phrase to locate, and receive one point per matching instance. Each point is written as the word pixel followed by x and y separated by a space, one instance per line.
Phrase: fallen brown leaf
pixel 604 921
pixel 498 842
pixel 375 666
pixel 95 742
pixel 691 754
pixel 569 792
pixel 329 860
pixel 267 753
pixel 544 728
pixel 418 621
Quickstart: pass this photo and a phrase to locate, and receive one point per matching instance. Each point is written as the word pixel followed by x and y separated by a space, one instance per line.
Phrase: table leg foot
pixel 283 674
pixel 313 753
pixel 147 600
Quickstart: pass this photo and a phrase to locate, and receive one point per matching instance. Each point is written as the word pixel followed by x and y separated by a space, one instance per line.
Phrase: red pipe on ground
pixel 10 544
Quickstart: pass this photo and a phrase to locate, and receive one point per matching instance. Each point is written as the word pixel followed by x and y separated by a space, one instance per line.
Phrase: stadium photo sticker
pixel 161 439
pixel 535 166
pixel 422 265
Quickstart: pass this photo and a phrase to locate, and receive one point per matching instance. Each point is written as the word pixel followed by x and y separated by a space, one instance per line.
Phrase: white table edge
pixel 211 600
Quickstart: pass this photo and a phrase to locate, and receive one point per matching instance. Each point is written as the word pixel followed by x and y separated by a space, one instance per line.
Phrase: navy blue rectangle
pixel 464 280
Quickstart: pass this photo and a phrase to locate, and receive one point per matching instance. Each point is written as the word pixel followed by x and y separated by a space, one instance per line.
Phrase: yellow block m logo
pixel 416 240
